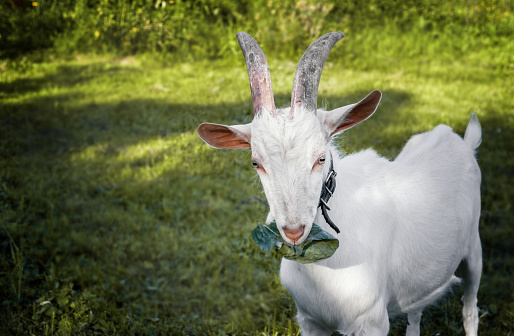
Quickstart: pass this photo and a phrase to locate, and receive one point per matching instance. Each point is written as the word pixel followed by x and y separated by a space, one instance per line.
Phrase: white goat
pixel 405 224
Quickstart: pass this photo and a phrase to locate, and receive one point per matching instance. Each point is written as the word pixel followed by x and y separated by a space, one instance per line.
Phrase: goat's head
pixel 289 145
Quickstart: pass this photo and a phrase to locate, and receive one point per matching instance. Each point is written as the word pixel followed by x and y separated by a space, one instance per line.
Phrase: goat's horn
pixel 258 74
pixel 308 73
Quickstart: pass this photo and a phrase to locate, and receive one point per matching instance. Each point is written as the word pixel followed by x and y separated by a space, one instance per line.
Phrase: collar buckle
pixel 326 193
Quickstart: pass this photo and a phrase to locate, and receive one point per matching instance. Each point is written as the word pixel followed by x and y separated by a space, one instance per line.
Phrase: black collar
pixel 327 190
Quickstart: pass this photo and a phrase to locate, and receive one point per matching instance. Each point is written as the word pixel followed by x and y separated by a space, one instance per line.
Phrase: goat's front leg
pixel 378 328
pixel 309 327
pixel 414 319
pixel 375 324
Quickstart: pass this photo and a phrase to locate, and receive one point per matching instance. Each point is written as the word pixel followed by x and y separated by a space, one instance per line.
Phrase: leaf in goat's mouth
pixel 319 244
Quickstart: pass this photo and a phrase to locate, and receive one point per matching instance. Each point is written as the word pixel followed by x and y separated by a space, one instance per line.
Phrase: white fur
pixel 405 224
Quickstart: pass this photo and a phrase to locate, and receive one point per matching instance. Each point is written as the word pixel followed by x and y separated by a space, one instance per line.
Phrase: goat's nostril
pixel 295 233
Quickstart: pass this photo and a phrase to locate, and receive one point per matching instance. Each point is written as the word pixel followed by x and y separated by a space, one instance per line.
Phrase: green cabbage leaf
pixel 319 244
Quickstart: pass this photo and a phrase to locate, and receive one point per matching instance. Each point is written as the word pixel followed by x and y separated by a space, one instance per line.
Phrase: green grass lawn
pixel 115 218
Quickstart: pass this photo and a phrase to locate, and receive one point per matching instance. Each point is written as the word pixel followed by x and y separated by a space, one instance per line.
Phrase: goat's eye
pixel 321 159
pixel 255 164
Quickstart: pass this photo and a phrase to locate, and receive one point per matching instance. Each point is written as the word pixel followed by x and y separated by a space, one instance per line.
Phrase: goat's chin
pixel 301 240
pixel 296 242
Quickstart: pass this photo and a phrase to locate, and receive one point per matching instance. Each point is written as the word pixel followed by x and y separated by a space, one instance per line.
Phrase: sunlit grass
pixel 116 218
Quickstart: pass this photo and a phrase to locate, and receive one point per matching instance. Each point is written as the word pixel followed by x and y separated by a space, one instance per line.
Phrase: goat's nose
pixel 295 233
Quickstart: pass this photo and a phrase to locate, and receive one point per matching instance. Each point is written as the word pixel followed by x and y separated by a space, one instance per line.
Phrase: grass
pixel 117 219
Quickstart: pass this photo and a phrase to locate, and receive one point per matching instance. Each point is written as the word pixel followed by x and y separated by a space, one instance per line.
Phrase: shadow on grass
pixel 65 75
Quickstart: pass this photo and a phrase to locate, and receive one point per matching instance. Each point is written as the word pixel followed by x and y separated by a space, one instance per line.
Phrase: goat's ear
pixel 348 116
pixel 222 136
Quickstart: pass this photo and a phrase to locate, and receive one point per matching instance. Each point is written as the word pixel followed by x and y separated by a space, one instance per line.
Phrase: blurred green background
pixel 116 219
pixel 194 30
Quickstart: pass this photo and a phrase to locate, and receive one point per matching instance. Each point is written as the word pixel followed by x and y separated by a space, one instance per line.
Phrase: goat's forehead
pixel 280 134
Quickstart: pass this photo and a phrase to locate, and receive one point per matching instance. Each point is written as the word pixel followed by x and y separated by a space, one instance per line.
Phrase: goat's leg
pixel 378 326
pixel 313 330
pixel 414 319
pixel 308 327
pixel 382 330
pixel 472 272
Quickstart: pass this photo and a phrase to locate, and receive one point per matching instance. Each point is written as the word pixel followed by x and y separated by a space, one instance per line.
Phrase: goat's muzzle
pixel 294 234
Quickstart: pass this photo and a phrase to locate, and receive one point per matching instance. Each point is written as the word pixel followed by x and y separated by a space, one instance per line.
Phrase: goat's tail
pixel 473 135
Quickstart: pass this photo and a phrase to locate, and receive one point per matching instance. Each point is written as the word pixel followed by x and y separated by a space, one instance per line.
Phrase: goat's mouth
pixel 294 236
